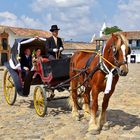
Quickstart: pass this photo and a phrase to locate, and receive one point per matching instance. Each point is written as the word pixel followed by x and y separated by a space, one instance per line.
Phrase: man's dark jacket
pixel 50 45
pixel 26 62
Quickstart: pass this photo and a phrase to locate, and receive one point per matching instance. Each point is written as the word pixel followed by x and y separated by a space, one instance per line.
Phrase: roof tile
pixel 26 31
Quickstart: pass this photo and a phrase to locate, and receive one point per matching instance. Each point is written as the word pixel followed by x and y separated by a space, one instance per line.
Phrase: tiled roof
pixel 25 31
pixel 132 34
pixel 77 45
pixel 129 34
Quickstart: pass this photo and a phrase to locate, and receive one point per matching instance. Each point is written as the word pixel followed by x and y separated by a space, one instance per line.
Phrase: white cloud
pixel 72 16
pixel 10 19
pixel 7 15
pixel 76 19
pixel 40 5
pixel 128 17
pixel 30 22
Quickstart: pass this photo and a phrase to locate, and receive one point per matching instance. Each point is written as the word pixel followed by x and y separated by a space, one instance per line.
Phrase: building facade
pixel 134 43
pixel 71 47
pixel 9 34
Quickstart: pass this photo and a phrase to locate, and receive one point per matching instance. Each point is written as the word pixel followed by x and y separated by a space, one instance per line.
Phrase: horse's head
pixel 120 50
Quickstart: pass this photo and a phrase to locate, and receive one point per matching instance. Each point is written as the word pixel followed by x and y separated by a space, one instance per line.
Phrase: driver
pixel 54 45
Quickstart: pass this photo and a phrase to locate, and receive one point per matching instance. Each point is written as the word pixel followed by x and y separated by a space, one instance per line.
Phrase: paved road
pixel 20 122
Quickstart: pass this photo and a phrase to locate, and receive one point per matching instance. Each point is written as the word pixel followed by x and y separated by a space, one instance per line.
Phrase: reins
pixel 100 66
pixel 95 69
pixel 101 57
pixel 75 76
pixel 84 70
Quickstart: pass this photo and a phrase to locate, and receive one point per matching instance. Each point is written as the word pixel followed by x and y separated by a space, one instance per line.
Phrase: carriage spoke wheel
pixel 40 101
pixel 9 88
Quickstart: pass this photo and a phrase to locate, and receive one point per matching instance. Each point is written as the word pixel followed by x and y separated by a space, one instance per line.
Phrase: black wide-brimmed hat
pixel 53 28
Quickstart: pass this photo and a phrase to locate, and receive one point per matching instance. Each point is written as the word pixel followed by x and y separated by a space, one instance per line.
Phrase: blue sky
pixel 77 19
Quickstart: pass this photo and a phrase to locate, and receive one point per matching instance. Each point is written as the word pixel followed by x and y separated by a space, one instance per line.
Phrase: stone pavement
pixel 20 122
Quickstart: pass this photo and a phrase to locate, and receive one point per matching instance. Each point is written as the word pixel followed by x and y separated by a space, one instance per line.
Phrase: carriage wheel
pixel 9 88
pixel 40 101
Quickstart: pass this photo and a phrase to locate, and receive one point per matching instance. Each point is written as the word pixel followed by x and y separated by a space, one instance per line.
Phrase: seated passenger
pixel 54 45
pixel 26 62
pixel 37 56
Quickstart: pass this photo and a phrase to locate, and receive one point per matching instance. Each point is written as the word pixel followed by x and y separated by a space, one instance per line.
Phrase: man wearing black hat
pixel 54 45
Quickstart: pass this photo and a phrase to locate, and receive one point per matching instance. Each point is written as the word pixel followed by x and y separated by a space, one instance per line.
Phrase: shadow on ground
pixel 56 103
pixel 115 117
pixel 121 118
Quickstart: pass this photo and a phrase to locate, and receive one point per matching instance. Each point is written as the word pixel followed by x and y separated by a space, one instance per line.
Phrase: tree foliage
pixel 109 30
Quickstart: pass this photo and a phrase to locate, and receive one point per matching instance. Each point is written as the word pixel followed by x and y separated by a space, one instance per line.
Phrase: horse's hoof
pixel 94 132
pixel 77 118
pixel 105 127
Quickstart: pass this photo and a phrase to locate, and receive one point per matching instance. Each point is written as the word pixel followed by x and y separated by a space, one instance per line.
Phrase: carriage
pixel 47 76
pixel 96 72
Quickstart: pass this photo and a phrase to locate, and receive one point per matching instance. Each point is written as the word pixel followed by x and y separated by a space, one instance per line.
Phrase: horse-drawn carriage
pixel 46 75
pixel 97 72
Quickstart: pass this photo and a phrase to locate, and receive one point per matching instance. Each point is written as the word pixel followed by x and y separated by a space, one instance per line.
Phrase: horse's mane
pixel 123 37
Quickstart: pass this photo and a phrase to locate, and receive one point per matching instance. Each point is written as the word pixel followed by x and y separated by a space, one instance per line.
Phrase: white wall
pixel 137 54
pixel 12 38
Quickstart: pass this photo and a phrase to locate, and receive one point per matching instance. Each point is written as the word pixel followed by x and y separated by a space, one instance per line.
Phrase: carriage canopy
pixel 21 44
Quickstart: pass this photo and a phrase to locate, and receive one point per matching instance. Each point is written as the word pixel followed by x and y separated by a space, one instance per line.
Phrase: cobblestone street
pixel 20 121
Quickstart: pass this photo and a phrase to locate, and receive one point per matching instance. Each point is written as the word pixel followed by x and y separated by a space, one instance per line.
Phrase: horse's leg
pixel 102 117
pixel 93 125
pixel 86 105
pixel 73 99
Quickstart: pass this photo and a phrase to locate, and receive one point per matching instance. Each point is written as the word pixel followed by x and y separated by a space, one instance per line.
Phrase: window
pixel 130 42
pixel 138 43
pixel 134 43
pixel 4 43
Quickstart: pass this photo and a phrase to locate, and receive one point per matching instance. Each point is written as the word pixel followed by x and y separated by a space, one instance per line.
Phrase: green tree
pixel 109 30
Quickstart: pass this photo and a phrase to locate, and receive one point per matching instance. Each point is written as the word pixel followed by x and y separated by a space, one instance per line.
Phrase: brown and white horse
pixel 112 63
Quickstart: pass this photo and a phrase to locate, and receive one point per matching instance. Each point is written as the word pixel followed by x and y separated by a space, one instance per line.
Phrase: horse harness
pixel 118 64
pixel 100 66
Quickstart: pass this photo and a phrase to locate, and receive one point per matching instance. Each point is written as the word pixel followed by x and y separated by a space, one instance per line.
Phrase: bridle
pixel 115 52
pixel 116 62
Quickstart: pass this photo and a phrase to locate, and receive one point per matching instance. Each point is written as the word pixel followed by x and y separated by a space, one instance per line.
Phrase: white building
pixel 9 34
pixel 134 43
